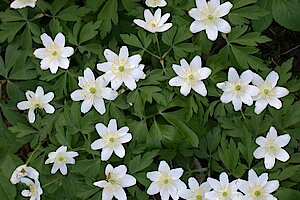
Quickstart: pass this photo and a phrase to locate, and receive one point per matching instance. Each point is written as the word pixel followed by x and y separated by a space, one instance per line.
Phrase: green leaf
pixel 89 31
pixel 108 15
pixel 286 13
pixel 73 13
pixel 185 131
pixel 139 163
pixel 7 190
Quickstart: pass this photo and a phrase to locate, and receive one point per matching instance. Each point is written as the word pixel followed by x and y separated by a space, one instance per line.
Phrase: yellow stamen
pixel 257 193
pixel 166 181
pixel 93 90
pixel 121 68
pixel 210 17
pixel 266 91
pixel 238 87
pixel 54 53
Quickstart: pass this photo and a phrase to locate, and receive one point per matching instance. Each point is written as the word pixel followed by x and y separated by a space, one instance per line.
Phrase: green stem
pixel 152 54
pixel 161 60
pixel 243 114
pixel 167 52
pixel 53 181
pixel 28 161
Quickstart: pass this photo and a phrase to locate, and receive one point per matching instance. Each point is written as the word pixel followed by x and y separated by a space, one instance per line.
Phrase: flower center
pixel 266 91
pixel 61 158
pixel 121 68
pixel 54 53
pixel 166 181
pixel 111 139
pixel 224 194
pixel 93 90
pixel 272 147
pixel 199 197
pixel 23 171
pixel 31 189
pixel 257 193
pixel 37 105
pixel 238 88
pixel 191 77
pixel 210 17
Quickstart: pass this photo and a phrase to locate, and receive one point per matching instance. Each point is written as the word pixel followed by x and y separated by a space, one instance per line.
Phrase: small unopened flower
pixel 166 181
pixel 35 191
pixel 60 158
pixel 93 92
pixel 23 171
pixel 36 100
pixel 207 17
pixel 270 148
pixel 156 3
pixel 222 190
pixel 237 89
pixel 154 23
pixel 17 4
pixel 190 76
pixel 116 180
pixel 55 54
pixel 196 191
pixel 269 93
pixel 122 68
pixel 111 139
pixel 258 187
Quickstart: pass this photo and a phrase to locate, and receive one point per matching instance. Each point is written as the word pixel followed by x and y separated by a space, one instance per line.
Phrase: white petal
pixel 119 151
pixel 243 186
pixel 54 66
pixel 23 105
pixel 185 194
pixel 272 78
pixel 271 186
pixel 64 63
pixel 226 97
pixel 274 102
pixel 120 193
pixel 257 80
pixel 31 116
pixel 164 27
pixel 45 64
pixel 164 19
pixel 107 195
pixel 26 193
pixel 55 167
pixel 224 182
pixel 283 140
pixel 48 108
pixel 153 176
pixel 98 144
pixel 176 81
pixel 108 169
pixel 233 75
pixel 280 92
pixel 130 83
pixel 123 54
pixel 176 173
pixel 140 23
pixel 259 153
pixel 128 181
pixel 134 60
pixel 272 134
pixel 101 129
pixel 39 92
pixel 164 194
pixel 212 32
pixel 153 188
pixel 116 83
pixel 86 105
pixel 193 183
pixel 40 53
pixel 205 72
pixel 194 13
pixel 163 166
pixel 48 97
pixel 213 4
pixel 110 55
pixel 223 9
pixel 157 13
pixel 269 161
pixel 212 195
pixel 178 70
pixel 201 4
pixel 112 125
pixel 246 99
pixel 223 26
pixel 196 63
pixel 261 141
pixel 213 183
pixel 237 103
pixel 99 105
pixel 197 26
pixel 200 88
pixel 148 15
pixel 60 40
pixel 106 153
pixel 77 95
pixel 67 52
pixel 63 169
pixel 185 89
pixel 46 40
pixel 246 77
pixel 260 105
pixel 282 155
pixel 100 184
pixel 88 75
pixel 126 138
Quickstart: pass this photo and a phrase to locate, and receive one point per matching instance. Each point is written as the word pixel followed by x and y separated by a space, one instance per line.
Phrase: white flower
pixel 93 92
pixel 269 93
pixel 207 17
pixel 271 148
pixel 122 68
pixel 195 192
pixel 23 3
pixel 257 188
pixel 156 3
pixel 23 171
pixel 60 158
pixel 116 180
pixel 154 23
pixel 165 181
pixel 222 190
pixel 55 54
pixel 111 139
pixel 37 100
pixel 237 89
pixel 190 76
pixel 35 190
